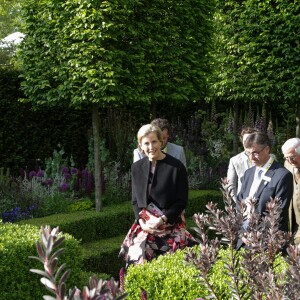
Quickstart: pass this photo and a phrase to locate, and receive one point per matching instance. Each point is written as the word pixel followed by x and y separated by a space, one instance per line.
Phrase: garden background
pixel 88 74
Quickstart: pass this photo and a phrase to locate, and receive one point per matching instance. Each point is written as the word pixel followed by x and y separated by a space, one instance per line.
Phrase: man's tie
pixel 259 174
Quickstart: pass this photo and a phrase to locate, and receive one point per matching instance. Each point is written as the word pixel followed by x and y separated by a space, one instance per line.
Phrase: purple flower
pixel 64 187
pixel 49 182
pixel 74 171
pixel 40 174
pixel 65 170
pixel 32 174
pixel 67 176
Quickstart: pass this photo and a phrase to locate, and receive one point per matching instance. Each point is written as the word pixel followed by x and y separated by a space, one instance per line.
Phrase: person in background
pixel 265 180
pixel 291 153
pixel 167 147
pixel 238 164
pixel 159 180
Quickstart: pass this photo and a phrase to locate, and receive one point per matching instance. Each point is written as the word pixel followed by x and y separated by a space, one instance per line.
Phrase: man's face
pixel 292 157
pixel 258 154
pixel 165 136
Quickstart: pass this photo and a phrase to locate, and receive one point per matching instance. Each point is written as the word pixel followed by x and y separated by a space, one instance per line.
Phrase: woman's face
pixel 151 145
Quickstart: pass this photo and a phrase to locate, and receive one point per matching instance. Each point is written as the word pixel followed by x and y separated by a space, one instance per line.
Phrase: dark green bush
pixel 166 278
pixel 89 226
pixel 199 198
pixel 17 243
pixel 169 277
pixel 81 205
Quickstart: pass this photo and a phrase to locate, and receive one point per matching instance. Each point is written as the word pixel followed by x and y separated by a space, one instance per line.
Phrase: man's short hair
pixel 258 138
pixel 247 130
pixel 293 143
pixel 162 124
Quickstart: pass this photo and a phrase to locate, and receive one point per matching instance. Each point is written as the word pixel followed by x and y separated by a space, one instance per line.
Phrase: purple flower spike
pixel 67 176
pixel 40 174
pixel 64 187
pixel 65 170
pixel 49 182
pixel 32 174
pixel 74 171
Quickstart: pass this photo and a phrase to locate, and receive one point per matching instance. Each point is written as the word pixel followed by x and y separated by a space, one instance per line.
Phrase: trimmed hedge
pixel 169 278
pixel 90 226
pixel 17 243
pixel 198 199
pixel 102 233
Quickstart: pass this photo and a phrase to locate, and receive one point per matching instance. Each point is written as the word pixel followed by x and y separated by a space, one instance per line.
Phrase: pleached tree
pixel 92 54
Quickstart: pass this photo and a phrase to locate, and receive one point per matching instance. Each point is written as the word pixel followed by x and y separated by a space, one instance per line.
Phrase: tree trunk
pixel 298 120
pixel 97 161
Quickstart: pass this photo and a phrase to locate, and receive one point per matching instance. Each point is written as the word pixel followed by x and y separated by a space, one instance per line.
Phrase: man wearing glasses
pixel 266 179
pixel 291 152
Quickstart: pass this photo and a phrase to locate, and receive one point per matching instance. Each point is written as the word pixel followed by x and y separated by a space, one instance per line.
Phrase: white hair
pixel 293 143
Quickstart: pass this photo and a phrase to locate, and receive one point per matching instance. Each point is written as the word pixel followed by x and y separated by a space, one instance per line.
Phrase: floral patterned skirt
pixel 140 246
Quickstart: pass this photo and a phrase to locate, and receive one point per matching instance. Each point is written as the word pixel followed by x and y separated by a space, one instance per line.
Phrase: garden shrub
pixel 166 277
pixel 17 243
pixel 169 277
pixel 89 226
pixel 81 205
pixel 199 198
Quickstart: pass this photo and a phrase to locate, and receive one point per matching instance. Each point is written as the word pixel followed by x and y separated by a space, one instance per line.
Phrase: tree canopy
pixel 115 51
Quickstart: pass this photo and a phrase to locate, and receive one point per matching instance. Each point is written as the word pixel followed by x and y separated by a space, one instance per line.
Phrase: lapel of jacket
pixel 143 172
pixel 264 183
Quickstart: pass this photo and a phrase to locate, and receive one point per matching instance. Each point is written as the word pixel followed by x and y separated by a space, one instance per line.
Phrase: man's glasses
pixel 254 153
pixel 290 158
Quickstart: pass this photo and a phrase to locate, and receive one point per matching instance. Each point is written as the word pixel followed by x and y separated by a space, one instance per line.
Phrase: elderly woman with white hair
pixel 291 152
pixel 159 197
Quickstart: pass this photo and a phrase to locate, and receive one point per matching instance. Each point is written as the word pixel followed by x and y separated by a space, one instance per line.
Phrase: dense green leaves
pixel 258 50
pixel 115 51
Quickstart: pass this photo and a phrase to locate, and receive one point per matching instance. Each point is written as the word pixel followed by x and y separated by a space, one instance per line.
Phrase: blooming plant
pixel 44 192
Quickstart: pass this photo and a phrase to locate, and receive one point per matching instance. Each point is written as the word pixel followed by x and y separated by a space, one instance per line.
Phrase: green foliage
pixel 90 226
pixel 55 276
pixel 258 51
pixel 198 199
pixel 53 204
pixel 17 242
pixel 117 184
pixel 166 277
pixel 81 205
pixel 115 52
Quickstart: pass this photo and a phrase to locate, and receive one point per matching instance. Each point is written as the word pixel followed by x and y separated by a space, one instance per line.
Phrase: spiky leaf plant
pixel 54 277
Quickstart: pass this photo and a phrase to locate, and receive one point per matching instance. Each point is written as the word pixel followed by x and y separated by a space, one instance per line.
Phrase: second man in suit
pixel 266 179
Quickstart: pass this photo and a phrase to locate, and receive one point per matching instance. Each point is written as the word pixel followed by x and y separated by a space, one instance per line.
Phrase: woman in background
pixel 159 197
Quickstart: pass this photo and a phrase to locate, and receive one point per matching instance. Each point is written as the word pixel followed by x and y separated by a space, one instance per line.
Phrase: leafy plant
pixel 55 277
pixel 254 271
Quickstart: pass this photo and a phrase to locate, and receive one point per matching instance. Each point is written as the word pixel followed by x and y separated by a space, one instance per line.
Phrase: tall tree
pixel 105 53
pixel 258 53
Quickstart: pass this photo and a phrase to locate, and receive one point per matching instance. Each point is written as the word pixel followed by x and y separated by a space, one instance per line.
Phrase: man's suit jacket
pixel 294 210
pixel 173 149
pixel 280 186
pixel 169 189
pixel 238 164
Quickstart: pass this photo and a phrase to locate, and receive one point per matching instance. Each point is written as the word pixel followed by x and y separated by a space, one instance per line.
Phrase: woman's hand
pixel 153 226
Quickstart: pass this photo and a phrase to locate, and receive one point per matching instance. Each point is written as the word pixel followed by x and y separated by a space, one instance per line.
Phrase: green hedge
pixel 89 226
pixel 199 198
pixel 17 243
pixel 169 278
